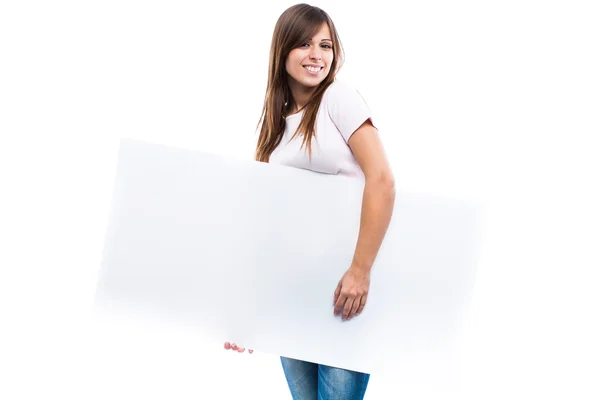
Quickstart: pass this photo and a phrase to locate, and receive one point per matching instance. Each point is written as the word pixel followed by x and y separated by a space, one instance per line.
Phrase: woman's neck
pixel 301 94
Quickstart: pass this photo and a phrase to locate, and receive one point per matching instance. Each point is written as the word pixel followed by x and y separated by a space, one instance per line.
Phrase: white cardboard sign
pixel 251 253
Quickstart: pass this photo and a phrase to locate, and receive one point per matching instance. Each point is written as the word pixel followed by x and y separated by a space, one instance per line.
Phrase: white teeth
pixel 313 69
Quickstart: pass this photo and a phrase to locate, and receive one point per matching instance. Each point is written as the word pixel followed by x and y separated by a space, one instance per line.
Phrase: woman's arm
pixel 379 194
pixel 377 207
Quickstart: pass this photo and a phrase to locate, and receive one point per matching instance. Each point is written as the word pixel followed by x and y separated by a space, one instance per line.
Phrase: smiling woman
pixel 310 63
pixel 304 40
pixel 304 101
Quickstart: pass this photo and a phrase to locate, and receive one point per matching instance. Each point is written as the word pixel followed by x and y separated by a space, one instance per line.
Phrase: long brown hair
pixel 293 27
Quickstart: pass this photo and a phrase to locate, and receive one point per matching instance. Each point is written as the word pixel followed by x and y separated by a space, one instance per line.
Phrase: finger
pixel 348 307
pixel 250 351
pixel 227 346
pixel 241 349
pixel 339 304
pixel 355 306
pixel 337 292
pixel 234 347
pixel 363 302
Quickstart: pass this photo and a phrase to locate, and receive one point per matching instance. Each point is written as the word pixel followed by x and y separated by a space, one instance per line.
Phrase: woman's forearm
pixel 377 207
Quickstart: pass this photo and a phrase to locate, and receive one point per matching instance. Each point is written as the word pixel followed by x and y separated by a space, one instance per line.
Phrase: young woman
pixel 312 121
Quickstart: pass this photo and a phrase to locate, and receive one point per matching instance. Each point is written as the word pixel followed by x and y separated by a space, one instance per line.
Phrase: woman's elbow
pixel 385 181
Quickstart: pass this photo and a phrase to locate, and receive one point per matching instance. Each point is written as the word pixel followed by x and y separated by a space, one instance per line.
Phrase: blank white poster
pixel 252 252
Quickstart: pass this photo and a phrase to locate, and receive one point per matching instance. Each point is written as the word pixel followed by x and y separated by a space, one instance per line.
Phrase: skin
pixel 350 295
pixel 316 51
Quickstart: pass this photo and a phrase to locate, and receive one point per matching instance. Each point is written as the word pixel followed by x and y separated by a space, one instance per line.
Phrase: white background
pixel 496 101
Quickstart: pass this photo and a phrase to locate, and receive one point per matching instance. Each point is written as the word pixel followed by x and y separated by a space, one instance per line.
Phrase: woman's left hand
pixel 352 290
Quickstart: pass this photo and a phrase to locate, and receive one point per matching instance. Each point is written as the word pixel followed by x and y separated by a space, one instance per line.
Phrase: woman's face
pixel 309 64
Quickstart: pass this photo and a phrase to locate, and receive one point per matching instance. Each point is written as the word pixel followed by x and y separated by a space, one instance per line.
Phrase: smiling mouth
pixel 310 68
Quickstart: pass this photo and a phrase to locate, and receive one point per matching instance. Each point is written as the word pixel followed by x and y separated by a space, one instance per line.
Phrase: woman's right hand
pixel 234 347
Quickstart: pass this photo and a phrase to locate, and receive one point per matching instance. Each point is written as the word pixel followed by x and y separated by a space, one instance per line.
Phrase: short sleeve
pixel 347 108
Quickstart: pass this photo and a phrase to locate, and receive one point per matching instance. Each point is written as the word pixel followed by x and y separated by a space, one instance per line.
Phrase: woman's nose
pixel 315 55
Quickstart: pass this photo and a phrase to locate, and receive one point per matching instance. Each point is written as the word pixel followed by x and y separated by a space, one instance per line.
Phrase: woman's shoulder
pixel 340 88
pixel 343 95
pixel 342 91
pixel 346 107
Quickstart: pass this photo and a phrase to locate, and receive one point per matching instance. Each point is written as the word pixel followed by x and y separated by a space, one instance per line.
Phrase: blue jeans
pixel 310 381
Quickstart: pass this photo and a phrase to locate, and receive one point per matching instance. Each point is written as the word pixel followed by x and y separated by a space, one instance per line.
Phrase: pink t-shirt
pixel 341 112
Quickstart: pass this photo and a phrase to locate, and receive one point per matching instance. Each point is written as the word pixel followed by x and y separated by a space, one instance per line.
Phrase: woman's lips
pixel 313 70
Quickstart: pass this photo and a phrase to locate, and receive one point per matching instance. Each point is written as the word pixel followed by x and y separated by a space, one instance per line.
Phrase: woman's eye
pixel 324 46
